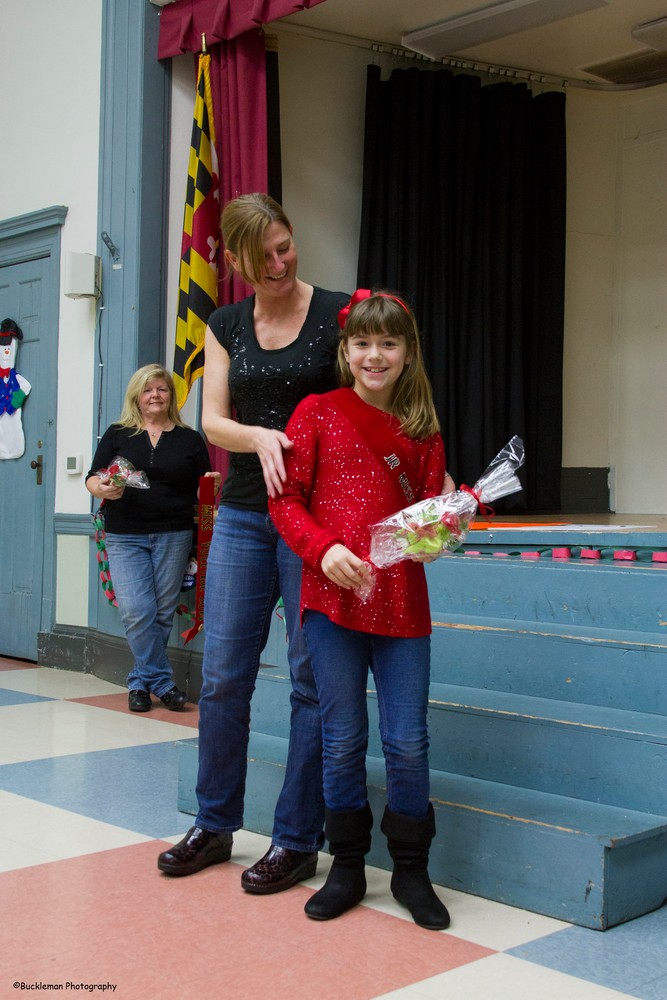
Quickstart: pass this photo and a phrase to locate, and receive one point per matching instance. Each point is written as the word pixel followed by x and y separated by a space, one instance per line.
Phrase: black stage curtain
pixel 273 150
pixel 463 213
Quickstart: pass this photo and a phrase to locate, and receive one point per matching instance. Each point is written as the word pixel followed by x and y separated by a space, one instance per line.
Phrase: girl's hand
pixel 217 482
pixel 269 445
pixel 341 566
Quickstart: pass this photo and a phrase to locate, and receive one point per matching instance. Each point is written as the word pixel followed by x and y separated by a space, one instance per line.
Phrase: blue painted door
pixel 27 492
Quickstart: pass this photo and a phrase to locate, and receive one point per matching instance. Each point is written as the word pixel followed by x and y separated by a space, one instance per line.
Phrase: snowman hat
pixel 9 329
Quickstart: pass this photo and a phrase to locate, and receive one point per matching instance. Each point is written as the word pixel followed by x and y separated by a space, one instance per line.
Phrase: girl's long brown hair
pixel 412 401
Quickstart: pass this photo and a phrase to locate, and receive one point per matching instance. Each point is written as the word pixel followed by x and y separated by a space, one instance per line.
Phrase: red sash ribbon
pixel 205 531
pixel 380 439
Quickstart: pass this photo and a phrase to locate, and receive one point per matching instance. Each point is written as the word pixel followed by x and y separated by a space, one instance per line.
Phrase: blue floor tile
pixel 630 958
pixel 134 788
pixel 655 990
pixel 8 697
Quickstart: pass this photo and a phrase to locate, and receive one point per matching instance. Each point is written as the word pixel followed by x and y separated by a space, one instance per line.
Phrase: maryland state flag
pixel 198 281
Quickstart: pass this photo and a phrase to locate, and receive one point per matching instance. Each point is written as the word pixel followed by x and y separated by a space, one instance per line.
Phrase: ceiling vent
pixel 646 66
pixel 486 24
pixel 652 33
pixel 636 69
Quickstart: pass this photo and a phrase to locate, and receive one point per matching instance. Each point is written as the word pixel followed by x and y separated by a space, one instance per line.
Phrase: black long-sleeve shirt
pixel 173 469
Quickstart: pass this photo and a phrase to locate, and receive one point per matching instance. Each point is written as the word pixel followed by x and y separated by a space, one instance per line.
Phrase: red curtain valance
pixel 183 23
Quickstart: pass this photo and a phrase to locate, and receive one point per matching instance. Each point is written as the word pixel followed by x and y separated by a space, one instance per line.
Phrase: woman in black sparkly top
pixel 263 356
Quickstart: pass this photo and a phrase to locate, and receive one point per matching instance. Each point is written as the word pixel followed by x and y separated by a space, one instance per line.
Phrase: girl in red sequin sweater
pixel 359 454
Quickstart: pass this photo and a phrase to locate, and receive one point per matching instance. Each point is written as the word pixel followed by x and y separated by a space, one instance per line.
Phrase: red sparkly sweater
pixel 335 488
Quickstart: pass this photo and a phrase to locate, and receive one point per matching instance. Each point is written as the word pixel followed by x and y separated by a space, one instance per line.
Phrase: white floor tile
pixel 504 978
pixel 249 847
pixel 15 855
pixel 52 683
pixel 407 993
pixel 474 919
pixel 495 925
pixel 32 833
pixel 55 728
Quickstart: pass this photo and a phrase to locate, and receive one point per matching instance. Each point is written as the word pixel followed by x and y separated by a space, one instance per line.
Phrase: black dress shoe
pixel 198 849
pixel 139 701
pixel 279 869
pixel 174 699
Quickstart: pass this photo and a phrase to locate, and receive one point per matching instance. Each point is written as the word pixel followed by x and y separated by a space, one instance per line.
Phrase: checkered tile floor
pixel 88 800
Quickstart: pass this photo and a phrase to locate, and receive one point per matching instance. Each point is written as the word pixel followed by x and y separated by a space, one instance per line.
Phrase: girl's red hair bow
pixel 358 296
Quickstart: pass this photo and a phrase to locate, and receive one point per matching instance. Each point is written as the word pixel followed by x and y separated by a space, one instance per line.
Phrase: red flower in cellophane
pixel 122 472
pixel 435 527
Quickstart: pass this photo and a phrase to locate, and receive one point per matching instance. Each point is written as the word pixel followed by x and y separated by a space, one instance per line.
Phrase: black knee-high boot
pixel 349 835
pixel 409 841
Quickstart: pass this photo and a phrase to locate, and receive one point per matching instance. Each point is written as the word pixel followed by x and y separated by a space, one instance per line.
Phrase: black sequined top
pixel 266 386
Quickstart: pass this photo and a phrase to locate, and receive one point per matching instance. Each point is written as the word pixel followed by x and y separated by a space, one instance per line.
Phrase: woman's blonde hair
pixel 412 400
pixel 131 414
pixel 243 224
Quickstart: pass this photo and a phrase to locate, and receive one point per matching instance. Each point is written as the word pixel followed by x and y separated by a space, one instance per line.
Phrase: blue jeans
pixel 147 573
pixel 249 568
pixel 401 668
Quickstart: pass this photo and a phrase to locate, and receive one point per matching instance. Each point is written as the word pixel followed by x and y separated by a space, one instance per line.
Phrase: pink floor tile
pixel 8 664
pixel 118 703
pixel 112 917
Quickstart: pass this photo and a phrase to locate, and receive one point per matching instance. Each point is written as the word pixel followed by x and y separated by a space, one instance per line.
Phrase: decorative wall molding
pixel 73 524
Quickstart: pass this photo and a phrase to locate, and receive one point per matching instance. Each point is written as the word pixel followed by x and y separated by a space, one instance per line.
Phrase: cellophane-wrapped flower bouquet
pixel 436 527
pixel 122 472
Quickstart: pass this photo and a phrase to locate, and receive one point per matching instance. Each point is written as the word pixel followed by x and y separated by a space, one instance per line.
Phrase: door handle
pixel 37 465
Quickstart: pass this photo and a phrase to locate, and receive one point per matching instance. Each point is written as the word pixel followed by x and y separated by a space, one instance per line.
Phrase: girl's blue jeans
pixel 401 668
pixel 249 568
pixel 147 573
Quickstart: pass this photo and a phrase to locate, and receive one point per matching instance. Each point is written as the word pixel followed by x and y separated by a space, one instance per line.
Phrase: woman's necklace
pixel 155 434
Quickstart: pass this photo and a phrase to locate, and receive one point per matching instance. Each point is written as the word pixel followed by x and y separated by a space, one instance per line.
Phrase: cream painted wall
pixel 639 387
pixel 615 359
pixel 322 94
pixel 322 108
pixel 591 238
pixel 50 138
pixel 50 135
pixel 72 597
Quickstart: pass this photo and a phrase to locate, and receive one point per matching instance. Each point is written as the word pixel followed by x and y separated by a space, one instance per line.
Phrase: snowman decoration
pixel 13 391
